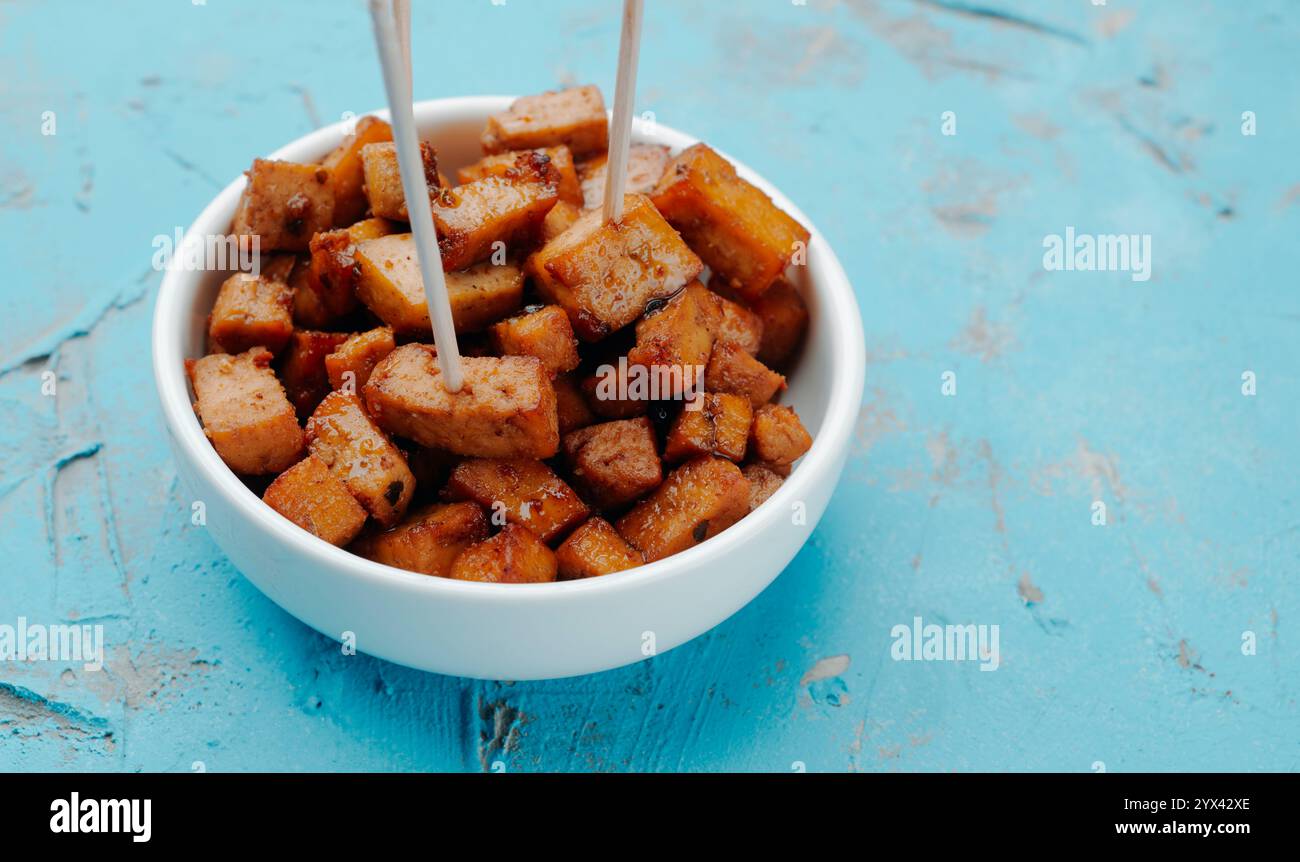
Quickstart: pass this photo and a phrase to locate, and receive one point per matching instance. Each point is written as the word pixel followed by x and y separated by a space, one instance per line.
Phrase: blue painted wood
pixel 1119 644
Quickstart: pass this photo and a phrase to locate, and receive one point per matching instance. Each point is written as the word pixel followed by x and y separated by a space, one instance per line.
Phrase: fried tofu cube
pixel 302 368
pixel 349 366
pixel 284 204
pixel 719 427
pixel 501 163
pixel 347 171
pixel 506 208
pixel 347 440
pixel 762 484
pixel 574 117
pixel 311 496
pixel 645 165
pixel 506 408
pixel 595 549
pixel 309 312
pixel 390 284
pixel 731 369
pixel 251 311
pixel 525 491
pixel 679 335
pixel 571 407
pixel 698 500
pixel 429 540
pixel 777 437
pixel 383 179
pixel 785 319
pixel 245 412
pixel 614 463
pixel 745 239
pixel 559 219
pixel 334 265
pixel 544 333
pixel 740 325
pixel 604 275
pixel 513 556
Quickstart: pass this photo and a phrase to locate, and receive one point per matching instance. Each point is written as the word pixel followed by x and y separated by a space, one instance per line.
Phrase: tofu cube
pixel 544 333
pixel 731 369
pixel 429 540
pixel 698 500
pixel 383 179
pixel 506 208
pixel 245 412
pixel 347 171
pixel 570 404
pixel 604 275
pixel 309 312
pixel 346 439
pixel 762 484
pixel 349 366
pixel 595 549
pixel 334 265
pixel 740 326
pixel 614 463
pixel 574 117
pixel 251 311
pixel 506 408
pixel 513 556
pixel 559 219
pixel 390 284
pixel 283 205
pixel 785 319
pixel 645 165
pixel 745 239
pixel 524 491
pixel 719 427
pixel 777 437
pixel 679 335
pixel 499 164
pixel 311 496
pixel 610 393
pixel 302 368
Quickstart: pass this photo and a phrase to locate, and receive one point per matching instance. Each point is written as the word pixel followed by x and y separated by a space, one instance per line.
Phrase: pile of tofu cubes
pixel 322 392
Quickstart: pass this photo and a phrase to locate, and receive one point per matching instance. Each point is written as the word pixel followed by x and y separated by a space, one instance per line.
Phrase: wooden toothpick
pixel 620 130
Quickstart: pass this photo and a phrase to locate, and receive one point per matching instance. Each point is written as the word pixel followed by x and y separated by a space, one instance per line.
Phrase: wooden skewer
pixel 620 127
pixel 387 18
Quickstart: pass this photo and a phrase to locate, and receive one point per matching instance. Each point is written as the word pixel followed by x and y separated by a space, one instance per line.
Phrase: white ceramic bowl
pixel 514 631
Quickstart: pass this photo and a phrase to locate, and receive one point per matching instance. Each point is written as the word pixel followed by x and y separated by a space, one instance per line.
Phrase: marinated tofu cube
pixel 614 463
pixel 347 440
pixel 544 333
pixel 390 284
pixel 429 540
pixel 513 556
pixel 347 171
pixel 679 335
pixel 719 427
pixel 777 437
pixel 501 163
pixel 311 496
pixel 350 364
pixel 334 265
pixel 604 275
pixel 745 239
pixel 762 484
pixel 595 549
pixel 574 117
pixel 559 219
pixel 740 326
pixel 505 208
pixel 284 204
pixel 698 500
pixel 251 311
pixel 522 490
pixel 570 404
pixel 731 369
pixel 302 368
pixel 506 408
pixel 383 179
pixel 785 319
pixel 645 165
pixel 245 412
pixel 309 311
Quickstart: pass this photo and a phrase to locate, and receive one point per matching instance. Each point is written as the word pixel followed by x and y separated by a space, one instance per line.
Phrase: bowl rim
pixel 839 317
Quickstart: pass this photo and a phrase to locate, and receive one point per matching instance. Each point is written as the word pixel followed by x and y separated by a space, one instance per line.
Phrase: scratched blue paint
pixel 1119 644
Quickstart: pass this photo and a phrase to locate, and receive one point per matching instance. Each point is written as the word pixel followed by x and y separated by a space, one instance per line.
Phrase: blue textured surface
pixel 1120 644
